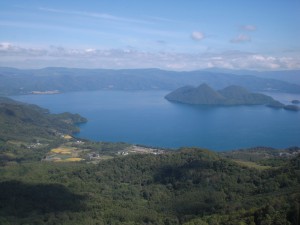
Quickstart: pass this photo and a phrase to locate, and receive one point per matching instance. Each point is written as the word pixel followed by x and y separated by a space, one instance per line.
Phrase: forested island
pixel 47 176
pixel 230 96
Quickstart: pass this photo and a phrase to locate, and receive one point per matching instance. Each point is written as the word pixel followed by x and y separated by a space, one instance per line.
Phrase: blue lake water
pixel 145 117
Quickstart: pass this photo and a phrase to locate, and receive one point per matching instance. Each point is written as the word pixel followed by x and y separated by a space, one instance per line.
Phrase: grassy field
pixel 252 165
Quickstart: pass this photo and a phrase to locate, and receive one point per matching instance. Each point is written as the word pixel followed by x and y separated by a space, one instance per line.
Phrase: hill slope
pixel 202 94
pixel 29 121
pixel 23 125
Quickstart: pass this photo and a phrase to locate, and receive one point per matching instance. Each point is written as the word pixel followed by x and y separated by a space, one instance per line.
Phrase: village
pixel 74 150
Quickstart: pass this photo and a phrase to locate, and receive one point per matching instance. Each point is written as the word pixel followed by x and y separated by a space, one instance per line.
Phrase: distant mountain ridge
pixel 291 76
pixel 231 95
pixel 18 81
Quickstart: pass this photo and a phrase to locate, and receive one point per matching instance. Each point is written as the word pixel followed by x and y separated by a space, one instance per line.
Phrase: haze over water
pixel 146 118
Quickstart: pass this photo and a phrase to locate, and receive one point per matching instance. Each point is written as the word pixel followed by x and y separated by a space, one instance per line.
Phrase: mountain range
pixel 291 76
pixel 19 81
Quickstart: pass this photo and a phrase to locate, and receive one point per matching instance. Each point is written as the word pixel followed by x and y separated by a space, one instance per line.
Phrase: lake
pixel 146 118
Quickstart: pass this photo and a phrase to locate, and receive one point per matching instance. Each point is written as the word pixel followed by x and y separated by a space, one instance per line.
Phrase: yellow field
pixel 62 150
pixel 64 154
pixel 67 160
pixel 72 159
pixel 67 137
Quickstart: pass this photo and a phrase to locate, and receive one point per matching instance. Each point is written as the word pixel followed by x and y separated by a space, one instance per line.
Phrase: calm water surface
pixel 145 117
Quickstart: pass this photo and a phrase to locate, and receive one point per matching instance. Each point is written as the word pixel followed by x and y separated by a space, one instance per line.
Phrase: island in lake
pixel 229 96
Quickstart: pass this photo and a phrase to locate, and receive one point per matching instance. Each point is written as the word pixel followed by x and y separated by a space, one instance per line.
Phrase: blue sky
pixel 174 35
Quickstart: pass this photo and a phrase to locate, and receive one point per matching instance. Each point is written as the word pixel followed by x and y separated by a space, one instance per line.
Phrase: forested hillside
pixel 32 120
pixel 191 186
pixel 28 131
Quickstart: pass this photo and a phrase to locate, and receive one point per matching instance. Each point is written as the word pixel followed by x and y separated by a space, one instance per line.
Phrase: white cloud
pixel 5 46
pixel 197 35
pixel 90 50
pixel 36 57
pixel 241 38
pixel 248 27
pixel 9 49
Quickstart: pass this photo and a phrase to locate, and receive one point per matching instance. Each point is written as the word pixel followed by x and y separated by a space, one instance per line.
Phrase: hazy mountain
pixel 16 81
pixel 291 76
pixel 232 95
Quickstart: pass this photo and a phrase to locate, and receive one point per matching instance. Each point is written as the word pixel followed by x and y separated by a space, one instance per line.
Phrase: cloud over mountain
pixel 37 57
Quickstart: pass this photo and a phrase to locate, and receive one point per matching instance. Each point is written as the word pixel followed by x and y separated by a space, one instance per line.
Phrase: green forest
pixel 188 186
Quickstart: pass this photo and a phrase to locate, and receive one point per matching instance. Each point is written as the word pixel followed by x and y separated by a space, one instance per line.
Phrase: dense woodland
pixel 189 186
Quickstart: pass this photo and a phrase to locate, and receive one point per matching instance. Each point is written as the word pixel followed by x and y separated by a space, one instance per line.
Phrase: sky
pixel 166 34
